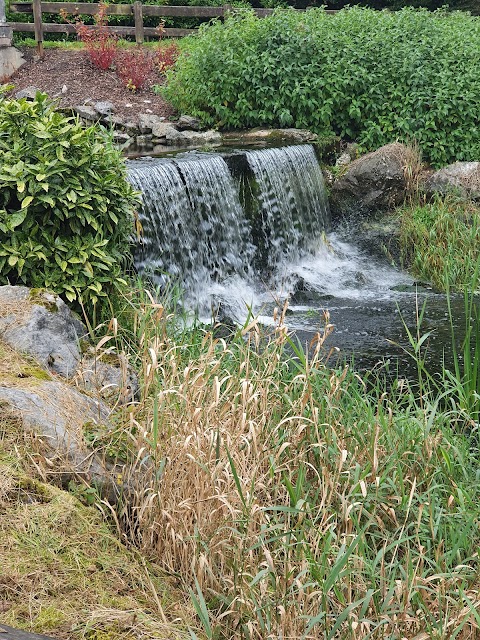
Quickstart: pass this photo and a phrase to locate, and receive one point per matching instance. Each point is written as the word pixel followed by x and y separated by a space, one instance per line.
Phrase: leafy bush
pixel 134 67
pixel 166 56
pixel 369 76
pixel 100 43
pixel 66 209
pixel 440 241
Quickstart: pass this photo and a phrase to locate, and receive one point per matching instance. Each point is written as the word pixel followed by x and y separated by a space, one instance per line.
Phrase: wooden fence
pixel 137 10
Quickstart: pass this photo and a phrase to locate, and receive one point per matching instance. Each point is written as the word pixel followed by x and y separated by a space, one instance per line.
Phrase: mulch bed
pixel 60 68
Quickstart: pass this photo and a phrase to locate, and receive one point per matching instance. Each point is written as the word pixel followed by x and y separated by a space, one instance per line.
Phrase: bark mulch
pixel 70 69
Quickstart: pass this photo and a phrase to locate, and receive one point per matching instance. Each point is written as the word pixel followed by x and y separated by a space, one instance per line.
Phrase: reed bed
pixel 290 500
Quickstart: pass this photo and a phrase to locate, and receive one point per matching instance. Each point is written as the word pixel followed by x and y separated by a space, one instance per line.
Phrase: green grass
pixel 440 241
pixel 76 45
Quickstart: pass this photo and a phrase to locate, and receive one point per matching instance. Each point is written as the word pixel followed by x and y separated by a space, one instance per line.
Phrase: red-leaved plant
pixel 134 67
pixel 165 57
pixel 99 41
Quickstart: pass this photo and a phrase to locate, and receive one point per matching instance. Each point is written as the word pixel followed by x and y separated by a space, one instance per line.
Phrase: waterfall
pixel 194 228
pixel 206 222
pixel 292 202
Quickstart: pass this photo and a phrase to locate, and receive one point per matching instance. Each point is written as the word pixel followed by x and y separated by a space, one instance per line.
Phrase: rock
pixel 147 121
pixel 293 136
pixel 104 108
pixel 122 138
pixel 129 126
pixel 64 89
pixel 29 93
pixel 58 414
pixel 192 138
pixel 162 129
pixel 86 112
pixel 375 182
pixel 10 59
pixel 41 325
pixel 144 141
pixel 116 383
pixel 464 177
pixel 189 122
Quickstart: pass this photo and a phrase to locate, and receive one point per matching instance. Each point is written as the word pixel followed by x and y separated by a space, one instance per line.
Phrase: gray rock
pixel 130 126
pixel 117 384
pixel 162 129
pixel 58 413
pixel 189 122
pixel 294 136
pixel 463 177
pixel 146 122
pixel 41 324
pixel 10 59
pixel 104 107
pixel 29 93
pixel 144 141
pixel 193 138
pixel 122 138
pixel 374 183
pixel 86 112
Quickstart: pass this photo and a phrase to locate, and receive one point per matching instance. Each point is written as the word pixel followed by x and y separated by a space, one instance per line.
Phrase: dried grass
pixel 291 502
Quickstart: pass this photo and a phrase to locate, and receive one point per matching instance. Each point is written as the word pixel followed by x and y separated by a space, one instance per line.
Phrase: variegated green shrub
pixel 66 208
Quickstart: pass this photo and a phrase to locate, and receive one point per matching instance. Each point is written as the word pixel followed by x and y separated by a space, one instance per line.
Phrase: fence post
pixel 37 18
pixel 138 15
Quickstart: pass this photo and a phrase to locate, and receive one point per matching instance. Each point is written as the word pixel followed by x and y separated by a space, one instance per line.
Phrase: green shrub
pixel 66 209
pixel 365 75
pixel 440 241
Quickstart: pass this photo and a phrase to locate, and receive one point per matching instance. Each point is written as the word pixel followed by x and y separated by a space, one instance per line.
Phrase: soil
pixel 85 84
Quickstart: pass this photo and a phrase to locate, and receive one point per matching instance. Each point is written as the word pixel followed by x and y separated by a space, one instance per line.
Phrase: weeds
pixel 439 241
pixel 289 500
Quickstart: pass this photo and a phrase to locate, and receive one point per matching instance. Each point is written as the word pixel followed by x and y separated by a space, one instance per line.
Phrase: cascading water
pixel 247 229
pixel 194 228
pixel 292 202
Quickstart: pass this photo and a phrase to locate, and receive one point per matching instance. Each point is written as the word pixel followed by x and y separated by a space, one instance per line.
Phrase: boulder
pixel 11 59
pixel 86 112
pixel 147 122
pixel 57 413
pixel 463 177
pixel 189 122
pixel 40 324
pixel 192 138
pixel 104 108
pixel 29 93
pixel 374 183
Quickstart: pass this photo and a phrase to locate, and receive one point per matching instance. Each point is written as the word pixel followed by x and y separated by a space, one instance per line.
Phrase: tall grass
pixel 440 241
pixel 292 502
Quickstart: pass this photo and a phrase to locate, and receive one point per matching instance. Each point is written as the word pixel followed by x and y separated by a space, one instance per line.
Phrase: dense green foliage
pixel 66 209
pixel 369 76
pixel 440 241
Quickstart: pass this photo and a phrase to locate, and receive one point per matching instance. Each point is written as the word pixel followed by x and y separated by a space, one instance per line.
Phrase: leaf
pixel 26 202
pixel 16 219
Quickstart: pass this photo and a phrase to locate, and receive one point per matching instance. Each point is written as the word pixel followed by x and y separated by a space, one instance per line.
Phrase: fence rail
pixel 138 10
